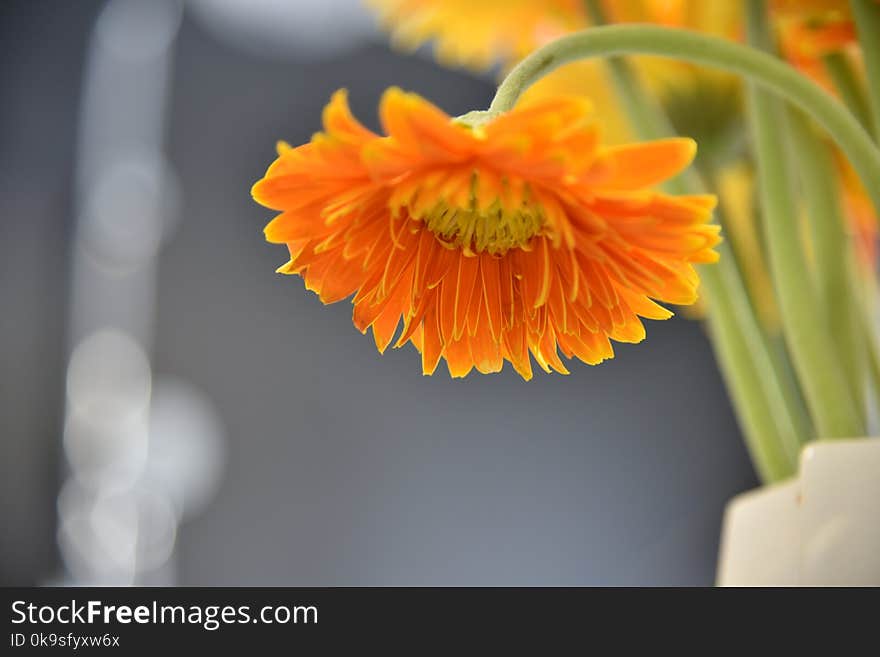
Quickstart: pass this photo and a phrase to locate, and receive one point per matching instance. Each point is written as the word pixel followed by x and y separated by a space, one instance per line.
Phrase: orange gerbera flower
pixel 490 239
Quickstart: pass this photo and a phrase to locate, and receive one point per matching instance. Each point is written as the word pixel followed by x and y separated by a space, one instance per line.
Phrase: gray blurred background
pixel 337 466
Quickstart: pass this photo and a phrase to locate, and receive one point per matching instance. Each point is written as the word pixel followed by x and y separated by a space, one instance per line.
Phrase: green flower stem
pixel 867 18
pixel 762 387
pixel 811 344
pixel 764 70
pixel 832 251
pixel 846 81
pixel 772 424
pixel 772 437
pixel 867 289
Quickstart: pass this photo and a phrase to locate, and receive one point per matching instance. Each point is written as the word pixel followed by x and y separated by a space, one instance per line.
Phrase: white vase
pixel 820 529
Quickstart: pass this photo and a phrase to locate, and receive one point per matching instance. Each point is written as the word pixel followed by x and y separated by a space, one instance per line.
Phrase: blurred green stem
pixel 848 85
pixel 833 252
pixel 868 294
pixel 812 345
pixel 867 19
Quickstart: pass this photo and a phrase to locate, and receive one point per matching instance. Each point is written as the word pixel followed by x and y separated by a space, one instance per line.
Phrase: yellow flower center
pixel 495 229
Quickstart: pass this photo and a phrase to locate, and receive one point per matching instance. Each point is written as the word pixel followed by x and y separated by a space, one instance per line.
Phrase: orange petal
pixel 636 166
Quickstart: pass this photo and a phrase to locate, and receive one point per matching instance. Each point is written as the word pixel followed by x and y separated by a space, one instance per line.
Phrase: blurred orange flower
pixel 479 34
pixel 489 239
pixel 811 29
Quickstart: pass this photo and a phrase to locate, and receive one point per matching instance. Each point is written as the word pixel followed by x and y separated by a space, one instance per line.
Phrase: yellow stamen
pixel 495 230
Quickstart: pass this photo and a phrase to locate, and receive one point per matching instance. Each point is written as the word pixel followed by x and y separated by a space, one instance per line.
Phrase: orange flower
pixel 811 29
pixel 482 33
pixel 490 239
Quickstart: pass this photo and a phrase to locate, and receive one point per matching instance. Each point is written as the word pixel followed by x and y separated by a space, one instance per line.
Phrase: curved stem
pixel 762 69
